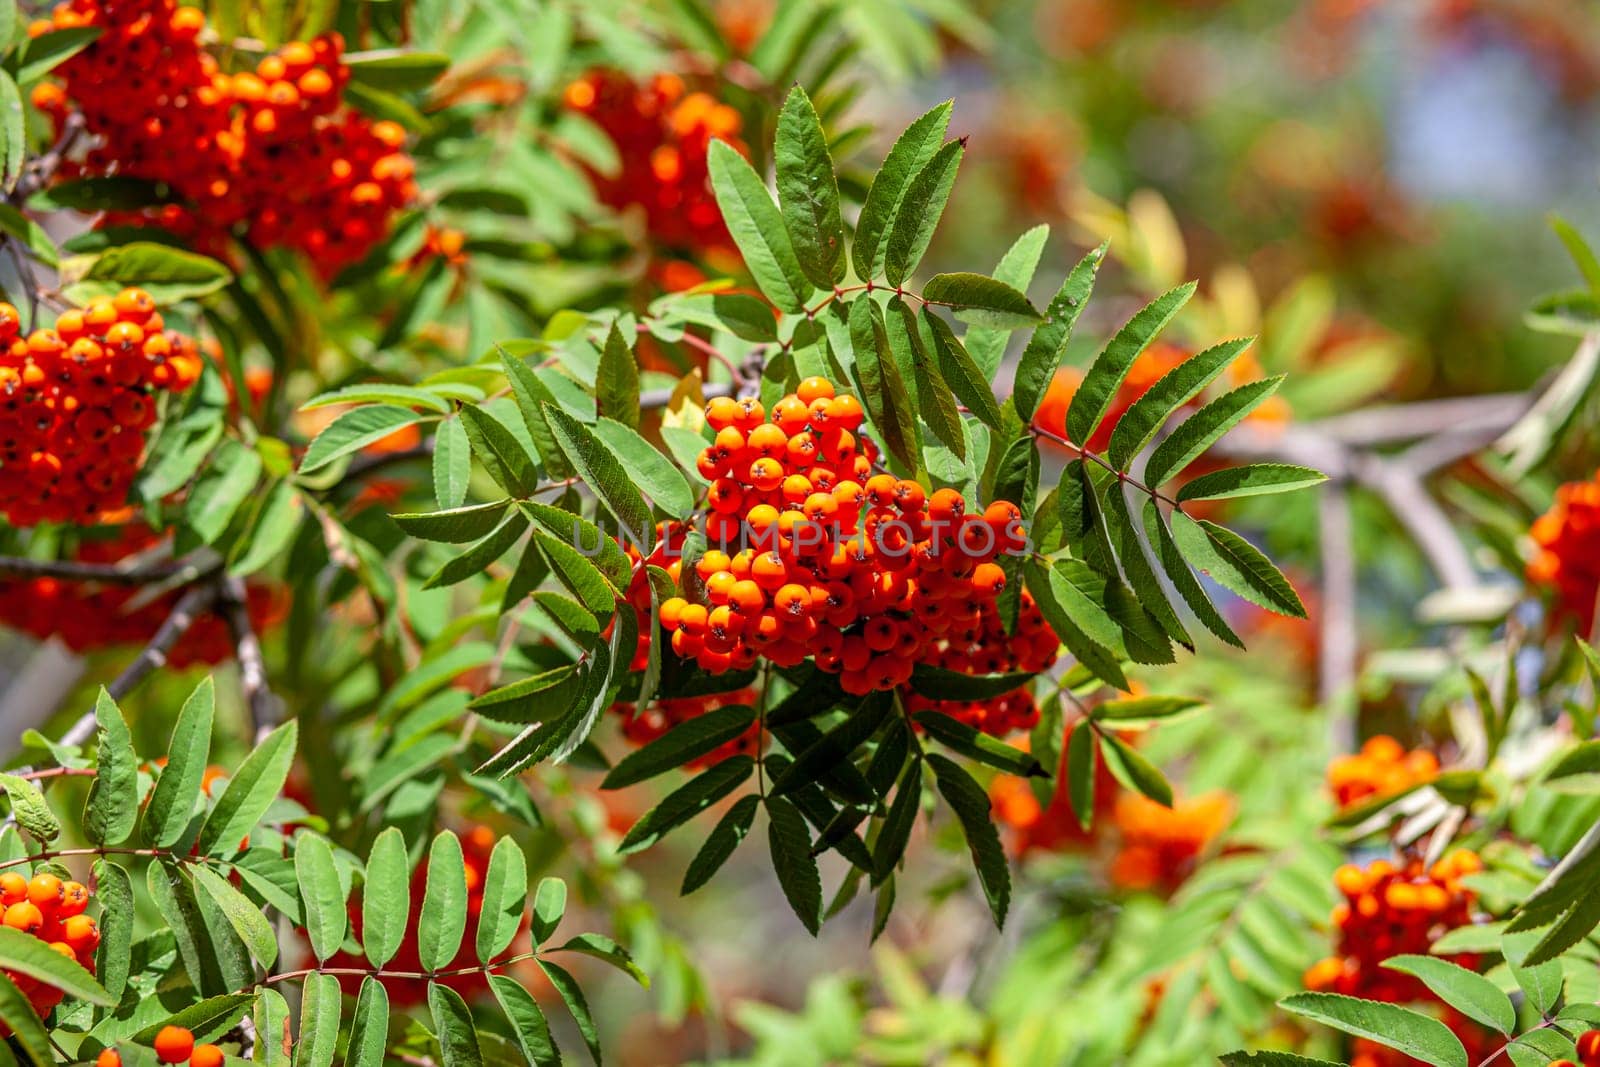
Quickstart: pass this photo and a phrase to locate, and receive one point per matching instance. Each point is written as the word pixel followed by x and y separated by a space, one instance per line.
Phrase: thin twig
pixel 266 708
pixel 147 572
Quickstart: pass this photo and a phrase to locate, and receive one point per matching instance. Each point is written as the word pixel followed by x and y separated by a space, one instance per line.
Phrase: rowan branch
pixel 266 708
pixel 142 572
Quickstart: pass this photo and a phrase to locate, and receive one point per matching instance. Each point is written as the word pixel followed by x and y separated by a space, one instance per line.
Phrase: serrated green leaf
pixel 354 430
pixel 113 956
pixel 808 192
pixel 242 914
pixel 1134 771
pixel 385 897
pixel 369 1025
pixel 572 996
pixel 967 381
pixel 980 300
pixel 918 213
pixel 1390 1025
pixel 29 809
pixel 452 1020
pixel 1146 415
pixel 911 152
pixel 653 472
pixel 971 805
pixel 177 791
pixel 730 830
pixel 25 1027
pixel 319 1021
pixel 1235 564
pixel 168 274
pixel 405 396
pixel 251 791
pixel 1042 356
pixel 26 954
pixel 527 1021
pixel 757 227
pixel 687 801
pixel 531 396
pixel 501 454
pixel 443 919
pixel 1144 710
pixel 1255 479
pixel 1202 429
pixel 793 862
pixel 683 743
pixel 477 559
pixel 454 526
pixel 974 744
pixel 600 947
pixel 505 893
pixel 1080 768
pixel 1467 991
pixel 1106 374
pixel 452 464
pixel 616 385
pixel 321 893
pixel 1176 568
pixel 549 905
pixel 879 384
pixel 604 474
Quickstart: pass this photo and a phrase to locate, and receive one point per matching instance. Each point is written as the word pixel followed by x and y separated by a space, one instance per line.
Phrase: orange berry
pixel 24 916
pixel 174 1044
pixel 74 899
pixel 45 891
pixel 109 1057
pixel 13 888
pixel 205 1056
pixel 814 389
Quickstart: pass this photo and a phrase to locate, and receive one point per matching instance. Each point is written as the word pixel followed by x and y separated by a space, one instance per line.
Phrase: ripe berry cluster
pixel 270 152
pixel 984 647
pixel 52 911
pixel 86 616
pixel 1568 556
pixel 662 132
pixel 173 1044
pixel 75 402
pixel 1052 827
pixel 817 557
pixel 1161 846
pixel 1382 768
pixel 1394 910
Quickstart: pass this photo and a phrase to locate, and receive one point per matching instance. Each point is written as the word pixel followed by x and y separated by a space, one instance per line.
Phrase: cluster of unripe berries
pixel 75 402
pixel 53 911
pixel 1567 552
pixel 173 1044
pixel 270 152
pixel 814 556
pixel 662 132
pixel 86 615
pixel 1392 910
pixel 1382 768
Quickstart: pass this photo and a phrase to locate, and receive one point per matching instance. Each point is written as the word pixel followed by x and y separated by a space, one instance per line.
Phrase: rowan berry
pixel 206 1056
pixel 813 389
pixel 109 1057
pixel 1588 1047
pixel 13 888
pixel 24 916
pixel 174 1044
pixel 46 891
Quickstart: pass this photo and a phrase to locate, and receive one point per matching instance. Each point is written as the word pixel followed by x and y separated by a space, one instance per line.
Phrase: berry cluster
pixel 271 153
pixel 1391 911
pixel 75 402
pixel 52 911
pixel 816 556
pixel 173 1044
pixel 985 648
pixel 1382 768
pixel 662 132
pixel 476 846
pixel 1568 556
pixel 86 616
pixel 1161 846
pixel 1052 827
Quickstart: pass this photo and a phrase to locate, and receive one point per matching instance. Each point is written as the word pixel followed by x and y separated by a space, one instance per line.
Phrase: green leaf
pixel 974 744
pixel 1080 768
pixel 834 749
pixel 730 830
pixel 808 191
pixel 592 542
pixel 477 559
pixel 355 430
pixel 405 396
pixel 1578 249
pixel 1106 374
pixel 13 130
pixel 966 380
pixel 385 897
pixel 113 957
pixel 26 954
pixel 1146 415
pixel 880 386
pixel 1042 356
pixel 527 1021
pixel 1272 1059
pixel 1183 580
pixel 505 895
pixel 274 1041
pixel 1016 268
pixel 1066 597
pixel 581 577
pixel 793 862
pixel 113 805
pixel 1144 711
pixel 455 526
pixel 242 914
pixel 616 384
pixel 42 54
pixel 1112 505
pixel 532 395
pixel 231 478
pixel 272 528
pixel 177 790
pixel 1467 991
pixel 29 809
pixel 603 948
pixel 369 1025
pixel 549 905
pixel 35 238
pixel 443 920
pixel 757 227
pixel 395 70
pixel 1390 1025
pixel 458 1037
pixel 24 1025
pixel 319 1021
pixel 250 792
pixel 933 402
pixel 918 213
pixel 686 741
pixel 1235 564
pixel 1255 479
pixel 971 805
pixel 981 301
pixel 166 273
pixel 604 475
pixel 1577 770
pixel 941 683
pixel 321 893
pixel 452 464
pixel 501 454
pixel 1134 771
pixel 911 152
pixel 685 802
pixel 577 1004
pixel 1202 429
pixel 653 472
